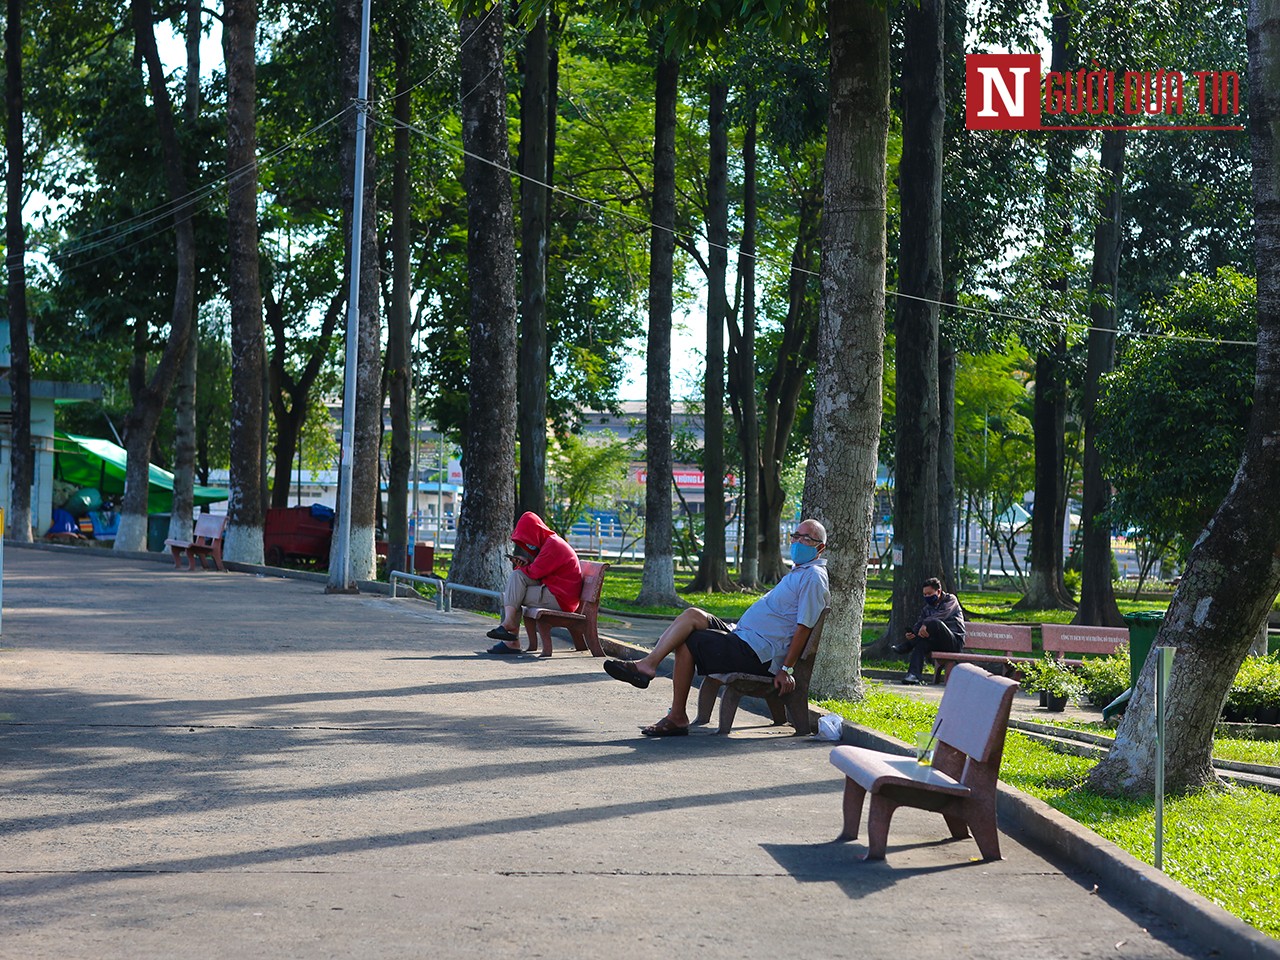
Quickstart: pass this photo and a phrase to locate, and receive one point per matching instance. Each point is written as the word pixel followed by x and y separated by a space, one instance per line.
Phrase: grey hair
pixel 822 531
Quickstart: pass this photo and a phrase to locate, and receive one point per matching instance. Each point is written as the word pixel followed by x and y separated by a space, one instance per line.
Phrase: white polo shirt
pixel 799 598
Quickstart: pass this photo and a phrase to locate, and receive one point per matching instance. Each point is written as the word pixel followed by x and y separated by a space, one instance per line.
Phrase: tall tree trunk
pixel 782 392
pixel 1097 594
pixel 488 499
pixel 248 361
pixel 947 455
pixel 657 582
pixel 742 367
pixel 915 515
pixel 1234 571
pixel 533 367
pixel 840 480
pixel 399 375
pixel 713 573
pixel 22 457
pixel 149 396
pixel 1046 588
pixel 184 401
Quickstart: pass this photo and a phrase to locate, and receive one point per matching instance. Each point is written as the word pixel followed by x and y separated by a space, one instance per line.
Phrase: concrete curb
pixel 1119 872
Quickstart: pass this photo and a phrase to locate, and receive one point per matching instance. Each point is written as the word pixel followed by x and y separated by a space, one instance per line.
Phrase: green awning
pixel 90 462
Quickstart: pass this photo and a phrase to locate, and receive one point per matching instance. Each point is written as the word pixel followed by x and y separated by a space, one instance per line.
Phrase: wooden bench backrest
pixel 815 636
pixel 1005 637
pixel 209 526
pixel 1062 638
pixel 974 711
pixel 592 584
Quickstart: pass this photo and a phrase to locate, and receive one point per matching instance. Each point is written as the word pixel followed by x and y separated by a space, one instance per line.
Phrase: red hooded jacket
pixel 555 563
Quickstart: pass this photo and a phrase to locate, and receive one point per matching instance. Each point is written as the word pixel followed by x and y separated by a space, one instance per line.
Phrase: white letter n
pixel 993 79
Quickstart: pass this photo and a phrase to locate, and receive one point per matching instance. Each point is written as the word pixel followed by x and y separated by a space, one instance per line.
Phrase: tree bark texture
pixel 488 503
pixel 22 457
pixel 1233 574
pixel 149 396
pixel 184 400
pixel 713 573
pixel 532 371
pixel 782 392
pixel 657 582
pixel 915 515
pixel 1046 588
pixel 248 359
pixel 947 457
pixel 742 367
pixel 398 372
pixel 841 475
pixel 1097 593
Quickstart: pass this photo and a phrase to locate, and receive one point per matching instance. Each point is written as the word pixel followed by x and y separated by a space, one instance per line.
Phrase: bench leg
pixel 177 557
pixel 579 637
pixel 531 633
pixel 882 810
pixel 706 700
pixel 957 824
pixel 853 797
pixel 778 709
pixel 797 709
pixel 544 631
pixel 729 701
pixel 982 822
pixel 217 557
pixel 592 635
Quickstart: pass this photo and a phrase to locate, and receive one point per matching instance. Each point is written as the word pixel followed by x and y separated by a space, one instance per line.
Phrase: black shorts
pixel 719 650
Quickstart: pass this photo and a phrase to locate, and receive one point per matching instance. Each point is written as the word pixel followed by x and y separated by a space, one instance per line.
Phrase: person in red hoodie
pixel 546 574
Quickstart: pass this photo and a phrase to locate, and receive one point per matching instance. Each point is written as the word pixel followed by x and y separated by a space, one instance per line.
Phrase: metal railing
pixel 444 589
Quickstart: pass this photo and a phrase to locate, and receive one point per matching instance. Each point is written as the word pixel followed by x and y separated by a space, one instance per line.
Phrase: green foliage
pixel 581 473
pixel 1173 416
pixel 1049 675
pixel 1257 685
pixel 1105 678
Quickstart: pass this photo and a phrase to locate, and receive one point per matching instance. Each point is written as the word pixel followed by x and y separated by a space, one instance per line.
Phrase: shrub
pixel 1256 686
pixel 1052 677
pixel 1072 580
pixel 1105 678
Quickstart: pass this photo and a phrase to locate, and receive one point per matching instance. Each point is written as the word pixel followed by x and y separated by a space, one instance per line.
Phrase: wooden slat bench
pixel 1006 638
pixel 582 625
pixel 1062 638
pixel 961 782
pixel 206 541
pixel 793 708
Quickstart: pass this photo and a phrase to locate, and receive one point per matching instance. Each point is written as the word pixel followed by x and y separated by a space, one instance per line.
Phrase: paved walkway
pixel 225 765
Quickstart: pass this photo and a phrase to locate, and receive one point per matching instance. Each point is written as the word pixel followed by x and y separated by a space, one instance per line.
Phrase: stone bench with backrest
pixel 1061 639
pixel 206 541
pixel 1010 643
pixel 791 708
pixel 960 784
pixel 582 625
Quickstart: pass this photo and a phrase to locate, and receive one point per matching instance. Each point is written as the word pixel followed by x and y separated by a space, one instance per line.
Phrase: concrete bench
pixel 206 541
pixel 1061 639
pixel 582 625
pixel 960 784
pixel 1006 638
pixel 792 708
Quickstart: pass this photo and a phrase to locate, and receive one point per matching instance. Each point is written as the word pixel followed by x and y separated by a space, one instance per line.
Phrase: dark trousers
pixel 940 638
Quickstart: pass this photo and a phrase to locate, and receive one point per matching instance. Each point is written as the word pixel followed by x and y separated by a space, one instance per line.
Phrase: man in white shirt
pixel 768 640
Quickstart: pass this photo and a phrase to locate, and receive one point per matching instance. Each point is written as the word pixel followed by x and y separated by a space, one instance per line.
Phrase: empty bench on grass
pixel 206 541
pixel 961 782
pixel 1005 638
pixel 1061 639
pixel 792 708
pixel 538 621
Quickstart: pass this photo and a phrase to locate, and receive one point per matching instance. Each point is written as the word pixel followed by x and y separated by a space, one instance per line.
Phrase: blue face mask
pixel 803 552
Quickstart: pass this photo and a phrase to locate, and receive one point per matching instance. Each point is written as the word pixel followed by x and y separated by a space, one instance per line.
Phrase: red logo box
pixel 1002 91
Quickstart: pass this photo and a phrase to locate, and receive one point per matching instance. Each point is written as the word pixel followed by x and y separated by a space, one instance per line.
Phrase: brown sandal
pixel 664 728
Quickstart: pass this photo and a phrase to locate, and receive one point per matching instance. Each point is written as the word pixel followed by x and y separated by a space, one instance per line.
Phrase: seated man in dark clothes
pixel 545 573
pixel 940 627
pixel 768 640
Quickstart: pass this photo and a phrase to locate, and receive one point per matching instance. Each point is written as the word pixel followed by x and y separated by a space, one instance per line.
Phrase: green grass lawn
pixel 1219 843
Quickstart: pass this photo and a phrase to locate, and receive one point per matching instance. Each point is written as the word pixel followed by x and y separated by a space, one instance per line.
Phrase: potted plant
pixel 1057 683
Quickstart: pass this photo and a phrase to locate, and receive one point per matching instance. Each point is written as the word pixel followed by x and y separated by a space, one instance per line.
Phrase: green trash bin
pixel 157 531
pixel 1143 627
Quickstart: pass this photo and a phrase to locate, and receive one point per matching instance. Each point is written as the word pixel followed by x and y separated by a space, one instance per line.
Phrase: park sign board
pixel 1007 91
